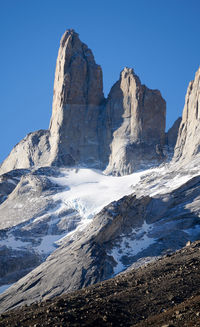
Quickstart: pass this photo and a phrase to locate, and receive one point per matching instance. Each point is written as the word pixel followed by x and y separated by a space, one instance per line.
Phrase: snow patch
pixel 170 185
pixel 88 191
pixel 48 244
pixel 12 242
pixel 131 245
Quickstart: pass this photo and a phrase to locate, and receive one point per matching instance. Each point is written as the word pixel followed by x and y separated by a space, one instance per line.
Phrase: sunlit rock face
pixel 187 146
pixel 120 134
pixel 85 129
pixel 137 118
pixel 33 150
pixel 77 105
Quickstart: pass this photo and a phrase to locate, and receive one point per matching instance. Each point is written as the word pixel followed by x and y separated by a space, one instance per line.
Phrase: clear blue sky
pixel 160 39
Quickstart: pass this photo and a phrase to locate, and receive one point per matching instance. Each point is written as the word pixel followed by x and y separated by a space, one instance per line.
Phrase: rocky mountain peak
pixel 78 79
pixel 137 116
pixel 188 141
pixel 78 95
pixel 128 74
pixel 119 133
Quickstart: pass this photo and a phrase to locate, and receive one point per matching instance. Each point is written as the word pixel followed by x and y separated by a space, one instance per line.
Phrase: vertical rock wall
pixel 120 134
pixel 188 142
pixel 77 104
pixel 137 120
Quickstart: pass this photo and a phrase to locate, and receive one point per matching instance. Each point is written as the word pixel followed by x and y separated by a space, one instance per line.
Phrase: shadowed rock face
pixel 172 134
pixel 188 141
pixel 123 133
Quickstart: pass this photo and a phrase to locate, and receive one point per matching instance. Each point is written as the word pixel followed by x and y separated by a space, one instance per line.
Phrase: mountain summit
pixel 119 134
pixel 187 146
pixel 64 225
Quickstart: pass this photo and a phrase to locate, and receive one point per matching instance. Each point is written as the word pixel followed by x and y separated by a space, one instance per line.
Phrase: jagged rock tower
pixel 77 105
pixel 137 118
pixel 122 133
pixel 188 141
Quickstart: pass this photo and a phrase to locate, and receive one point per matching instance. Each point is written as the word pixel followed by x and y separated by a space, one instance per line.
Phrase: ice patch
pixel 48 244
pixel 88 191
pixel 11 181
pixel 13 243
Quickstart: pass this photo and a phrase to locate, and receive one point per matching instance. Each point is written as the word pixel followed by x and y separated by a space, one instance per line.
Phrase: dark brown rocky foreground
pixel 162 293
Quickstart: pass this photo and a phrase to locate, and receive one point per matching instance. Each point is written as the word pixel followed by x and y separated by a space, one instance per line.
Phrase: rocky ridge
pixel 121 133
pixel 187 146
pixel 168 289
pixel 137 117
pixel 138 227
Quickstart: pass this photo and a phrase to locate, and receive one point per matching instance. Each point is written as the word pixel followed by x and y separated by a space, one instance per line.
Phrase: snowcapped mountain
pixel 97 193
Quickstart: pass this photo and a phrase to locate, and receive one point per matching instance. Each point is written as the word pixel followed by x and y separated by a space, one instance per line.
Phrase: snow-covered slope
pixel 45 205
pixel 60 207
pixel 160 214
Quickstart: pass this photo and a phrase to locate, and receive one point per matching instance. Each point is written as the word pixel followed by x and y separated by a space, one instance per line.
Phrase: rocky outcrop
pixel 9 181
pixel 86 130
pixel 30 220
pixel 172 134
pixel 32 151
pixel 77 105
pixel 136 119
pixel 167 288
pixel 120 134
pixel 188 142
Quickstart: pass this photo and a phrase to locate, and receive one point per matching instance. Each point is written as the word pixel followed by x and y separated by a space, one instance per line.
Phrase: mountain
pixel 120 134
pixel 160 216
pixel 137 117
pixel 82 202
pixel 187 146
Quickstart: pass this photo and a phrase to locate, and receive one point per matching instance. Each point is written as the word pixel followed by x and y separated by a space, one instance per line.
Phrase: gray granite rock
pixel 120 134
pixel 32 151
pixel 172 134
pixel 77 105
pixel 160 223
pixel 30 220
pixel 187 146
pixel 136 118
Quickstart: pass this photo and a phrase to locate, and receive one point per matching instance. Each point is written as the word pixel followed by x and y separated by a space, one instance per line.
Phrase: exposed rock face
pixel 188 142
pixel 136 117
pixel 172 134
pixel 77 105
pixel 9 181
pixel 33 150
pixel 122 133
pixel 30 221
pixel 171 283
pixel 122 233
